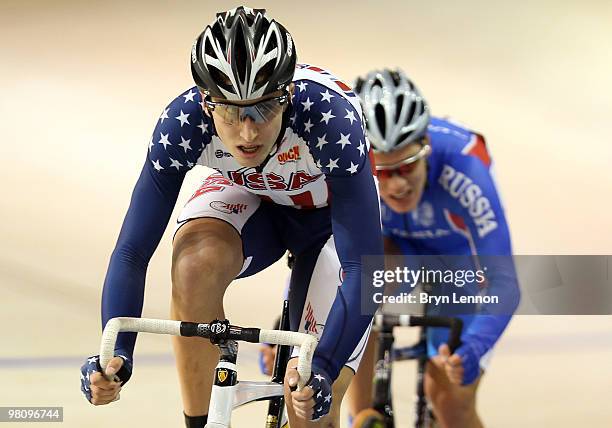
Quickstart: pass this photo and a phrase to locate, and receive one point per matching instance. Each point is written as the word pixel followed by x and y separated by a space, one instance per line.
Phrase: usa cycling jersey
pixel 460 213
pixel 322 156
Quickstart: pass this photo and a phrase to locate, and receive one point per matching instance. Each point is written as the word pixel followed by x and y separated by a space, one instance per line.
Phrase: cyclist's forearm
pixel 150 208
pixel 356 229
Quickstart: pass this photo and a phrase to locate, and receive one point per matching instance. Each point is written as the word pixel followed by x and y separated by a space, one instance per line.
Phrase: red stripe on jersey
pixel 457 221
pixel 265 198
pixel 304 200
pixel 343 86
pixel 479 150
pixel 372 162
pixel 317 69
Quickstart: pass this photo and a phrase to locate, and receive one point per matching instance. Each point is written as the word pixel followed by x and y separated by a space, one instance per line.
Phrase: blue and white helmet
pixel 243 55
pixel 396 113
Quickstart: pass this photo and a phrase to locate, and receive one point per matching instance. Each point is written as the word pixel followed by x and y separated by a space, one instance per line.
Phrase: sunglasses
pixel 261 112
pixel 405 167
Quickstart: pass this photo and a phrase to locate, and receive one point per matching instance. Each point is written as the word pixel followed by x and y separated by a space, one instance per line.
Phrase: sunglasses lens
pixel 229 113
pixel 407 169
pixel 260 113
pixel 403 170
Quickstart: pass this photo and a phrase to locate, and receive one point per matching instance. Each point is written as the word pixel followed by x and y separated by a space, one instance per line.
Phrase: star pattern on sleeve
pixel 157 166
pixel 183 118
pixel 332 126
pixel 344 140
pixel 175 164
pixel 326 96
pixel 204 127
pixel 321 142
pixel 189 96
pixel 353 168
pixel 164 115
pixel 332 164
pixel 183 136
pixel 327 116
pixel 350 115
pixel 302 86
pixel 185 144
pixel 307 125
pixel 361 148
pixel 307 104
pixel 163 140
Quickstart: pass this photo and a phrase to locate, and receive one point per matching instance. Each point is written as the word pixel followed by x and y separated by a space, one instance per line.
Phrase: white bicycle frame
pixel 223 398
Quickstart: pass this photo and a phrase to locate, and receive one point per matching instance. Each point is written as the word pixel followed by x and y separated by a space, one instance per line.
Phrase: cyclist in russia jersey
pixel 322 153
pixel 458 213
pixel 438 198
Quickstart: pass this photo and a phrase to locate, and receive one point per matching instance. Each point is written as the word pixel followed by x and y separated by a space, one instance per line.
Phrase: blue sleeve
pixel 335 134
pixel 356 229
pixel 483 215
pixel 178 140
pixel 152 202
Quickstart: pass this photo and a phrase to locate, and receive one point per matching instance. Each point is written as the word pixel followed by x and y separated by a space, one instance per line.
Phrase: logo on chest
pixel 271 180
pixel 423 215
pixel 291 155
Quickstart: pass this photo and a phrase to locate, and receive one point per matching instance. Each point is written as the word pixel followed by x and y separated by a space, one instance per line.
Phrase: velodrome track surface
pixel 84 83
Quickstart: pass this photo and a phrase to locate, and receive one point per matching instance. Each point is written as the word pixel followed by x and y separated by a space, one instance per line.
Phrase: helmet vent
pixel 380 119
pixel 399 107
pixel 410 116
pixel 358 85
pixel 208 49
pixel 403 137
pixel 395 77
pixel 220 79
pixel 240 55
pixel 264 74
pixel 218 35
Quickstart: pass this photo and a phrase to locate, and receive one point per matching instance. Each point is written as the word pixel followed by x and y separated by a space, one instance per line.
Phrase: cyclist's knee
pixel 207 256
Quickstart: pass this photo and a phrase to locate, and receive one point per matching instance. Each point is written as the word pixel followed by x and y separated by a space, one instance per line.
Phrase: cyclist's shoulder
pixel 184 112
pixel 181 133
pixel 456 145
pixel 326 115
pixel 319 90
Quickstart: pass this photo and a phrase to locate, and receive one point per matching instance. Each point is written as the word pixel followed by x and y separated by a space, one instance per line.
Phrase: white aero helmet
pixel 396 113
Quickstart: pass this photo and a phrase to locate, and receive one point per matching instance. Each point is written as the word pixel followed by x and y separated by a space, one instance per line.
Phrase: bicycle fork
pixel 226 379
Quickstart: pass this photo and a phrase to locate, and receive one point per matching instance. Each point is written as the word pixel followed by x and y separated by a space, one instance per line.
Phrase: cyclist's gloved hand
pixel 314 401
pixel 267 354
pixel 462 367
pixel 96 388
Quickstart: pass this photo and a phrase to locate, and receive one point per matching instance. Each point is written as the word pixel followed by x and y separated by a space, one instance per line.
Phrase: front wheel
pixel 369 418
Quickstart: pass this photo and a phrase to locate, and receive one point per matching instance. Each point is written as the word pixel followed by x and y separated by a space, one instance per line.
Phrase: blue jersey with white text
pixel 459 213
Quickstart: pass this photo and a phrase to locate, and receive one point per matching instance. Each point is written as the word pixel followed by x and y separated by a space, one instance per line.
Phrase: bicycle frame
pixel 386 354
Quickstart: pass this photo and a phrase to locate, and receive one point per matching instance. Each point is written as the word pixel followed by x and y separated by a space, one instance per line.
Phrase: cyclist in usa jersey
pixel 292 165
pixel 438 198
